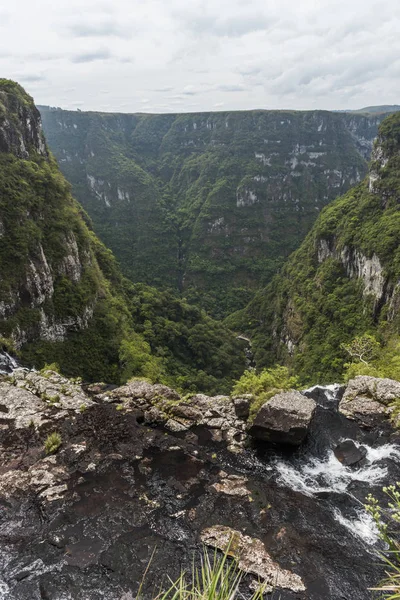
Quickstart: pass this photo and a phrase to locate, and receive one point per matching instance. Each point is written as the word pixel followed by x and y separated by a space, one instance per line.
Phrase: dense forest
pixel 208 205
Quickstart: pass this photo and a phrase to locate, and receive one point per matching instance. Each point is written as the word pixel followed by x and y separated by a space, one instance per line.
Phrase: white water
pixel 327 474
pixel 330 393
pixel 362 526
pixel 7 363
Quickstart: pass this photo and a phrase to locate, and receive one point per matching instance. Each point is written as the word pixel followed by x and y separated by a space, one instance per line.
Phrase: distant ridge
pixel 385 108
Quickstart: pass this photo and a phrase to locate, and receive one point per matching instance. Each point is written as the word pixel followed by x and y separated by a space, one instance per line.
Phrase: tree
pixel 363 348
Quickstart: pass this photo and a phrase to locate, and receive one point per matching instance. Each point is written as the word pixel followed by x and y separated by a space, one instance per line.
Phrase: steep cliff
pixel 62 296
pixel 342 281
pixel 50 278
pixel 209 204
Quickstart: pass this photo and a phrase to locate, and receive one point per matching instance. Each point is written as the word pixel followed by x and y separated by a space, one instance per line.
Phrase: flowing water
pixel 7 363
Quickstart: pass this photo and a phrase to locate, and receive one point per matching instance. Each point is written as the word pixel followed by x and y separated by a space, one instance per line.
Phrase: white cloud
pixel 258 54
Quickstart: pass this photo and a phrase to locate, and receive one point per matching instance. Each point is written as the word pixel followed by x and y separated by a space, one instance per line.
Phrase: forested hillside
pixel 208 204
pixel 62 296
pixel 342 282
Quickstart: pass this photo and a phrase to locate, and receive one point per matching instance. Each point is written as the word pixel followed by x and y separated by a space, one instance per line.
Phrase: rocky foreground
pixel 139 469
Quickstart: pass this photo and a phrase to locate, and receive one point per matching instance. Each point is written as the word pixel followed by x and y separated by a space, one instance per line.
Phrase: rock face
pixel 284 419
pixel 368 400
pixel 47 255
pixel 348 453
pixel 20 123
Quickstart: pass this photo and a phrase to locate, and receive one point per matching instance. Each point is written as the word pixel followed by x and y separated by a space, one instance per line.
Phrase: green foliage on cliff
pixel 207 204
pixel 341 282
pixel 265 384
pixel 62 296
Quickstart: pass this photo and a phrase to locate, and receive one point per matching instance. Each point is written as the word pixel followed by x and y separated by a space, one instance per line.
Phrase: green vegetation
pixel 208 205
pixel 264 385
pixel 62 296
pixel 55 367
pixel 387 520
pixel 216 579
pixel 52 443
pixel 383 361
pixel 314 309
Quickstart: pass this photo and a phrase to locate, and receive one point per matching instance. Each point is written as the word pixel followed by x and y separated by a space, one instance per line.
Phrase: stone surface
pixel 84 522
pixel 368 400
pixel 252 556
pixel 284 419
pixel 164 406
pixel 348 453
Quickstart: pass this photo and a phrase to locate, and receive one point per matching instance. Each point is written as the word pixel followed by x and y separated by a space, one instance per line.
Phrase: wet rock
pixel 242 406
pixel 348 453
pixel 252 557
pixel 232 485
pixel 368 400
pixel 284 419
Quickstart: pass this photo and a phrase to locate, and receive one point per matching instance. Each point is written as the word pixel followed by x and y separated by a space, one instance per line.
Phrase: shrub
pixel 354 369
pixel 52 443
pixel 50 367
pixel 264 385
pixel 216 579
pixel 387 520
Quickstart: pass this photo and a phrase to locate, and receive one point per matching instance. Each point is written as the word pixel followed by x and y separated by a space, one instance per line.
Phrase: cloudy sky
pixel 192 55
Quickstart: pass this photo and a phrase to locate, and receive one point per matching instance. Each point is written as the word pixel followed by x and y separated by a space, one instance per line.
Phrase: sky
pixel 201 55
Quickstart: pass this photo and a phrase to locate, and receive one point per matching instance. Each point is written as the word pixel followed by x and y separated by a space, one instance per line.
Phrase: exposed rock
pixel 242 406
pixel 368 399
pixel 162 405
pixel 356 264
pixel 84 522
pixel 252 556
pixel 139 389
pixel 30 399
pixel 348 453
pixel 284 419
pixel 232 485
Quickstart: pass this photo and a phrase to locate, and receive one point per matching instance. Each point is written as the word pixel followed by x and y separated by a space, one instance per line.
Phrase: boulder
pixel 242 406
pixel 284 419
pixel 348 453
pixel 368 400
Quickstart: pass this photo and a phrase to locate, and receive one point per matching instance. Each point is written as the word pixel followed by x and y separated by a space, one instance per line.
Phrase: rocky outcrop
pixel 222 416
pixel 356 265
pixel 252 557
pixel 84 519
pixel 284 419
pixel 20 123
pixel 368 400
pixel 100 438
